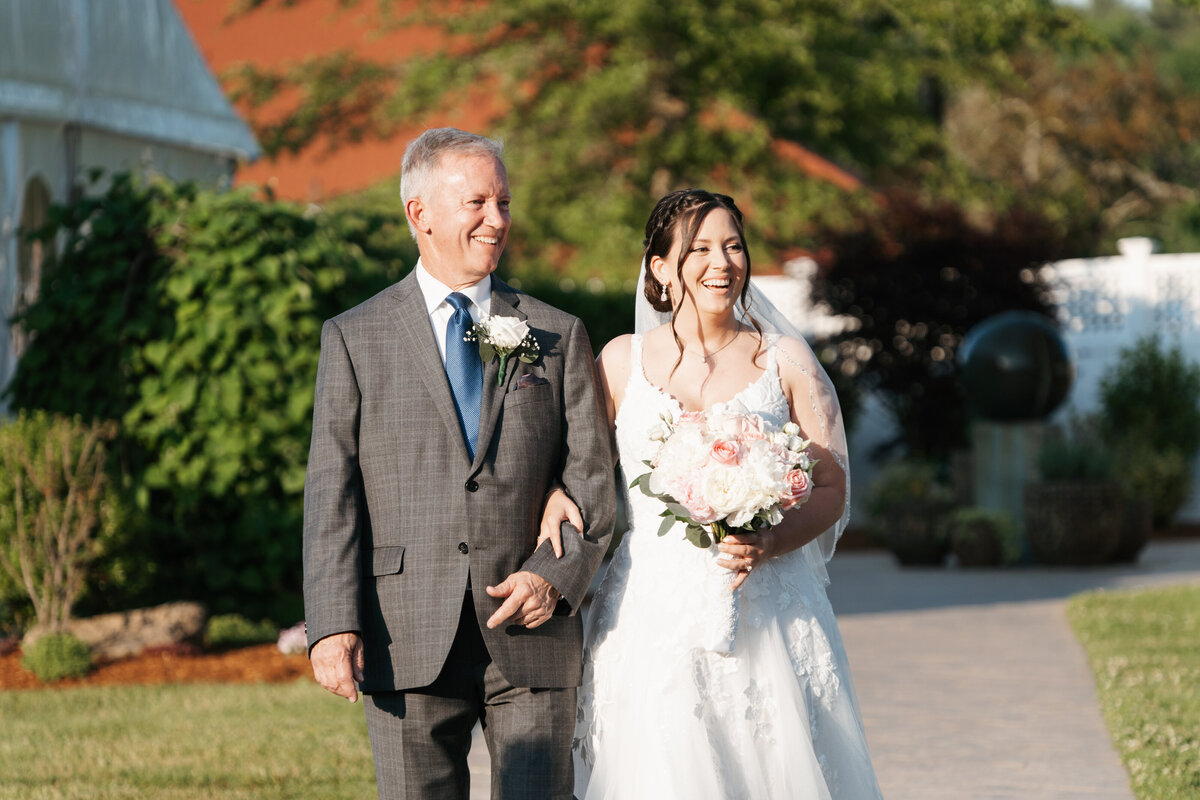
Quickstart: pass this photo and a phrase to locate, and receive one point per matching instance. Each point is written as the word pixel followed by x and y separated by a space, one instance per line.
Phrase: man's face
pixel 464 222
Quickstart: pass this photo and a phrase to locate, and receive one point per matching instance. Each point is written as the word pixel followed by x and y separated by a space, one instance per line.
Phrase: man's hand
pixel 337 662
pixel 531 600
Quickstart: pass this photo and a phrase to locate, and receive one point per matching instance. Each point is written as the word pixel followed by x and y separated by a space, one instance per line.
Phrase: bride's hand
pixel 559 509
pixel 743 552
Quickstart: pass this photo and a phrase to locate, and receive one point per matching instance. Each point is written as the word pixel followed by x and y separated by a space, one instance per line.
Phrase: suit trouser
pixel 420 737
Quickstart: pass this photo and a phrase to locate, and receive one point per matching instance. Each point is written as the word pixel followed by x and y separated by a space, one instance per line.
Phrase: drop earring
pixel 663 296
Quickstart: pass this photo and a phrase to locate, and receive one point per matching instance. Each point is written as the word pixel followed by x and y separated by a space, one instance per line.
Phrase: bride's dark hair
pixel 678 217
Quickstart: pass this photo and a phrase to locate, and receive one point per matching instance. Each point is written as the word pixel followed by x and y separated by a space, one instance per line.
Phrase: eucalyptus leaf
pixel 677 509
pixel 698 536
pixel 667 524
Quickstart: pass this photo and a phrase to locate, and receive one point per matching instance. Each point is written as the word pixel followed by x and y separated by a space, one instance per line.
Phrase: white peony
pixel 505 333
pixel 731 493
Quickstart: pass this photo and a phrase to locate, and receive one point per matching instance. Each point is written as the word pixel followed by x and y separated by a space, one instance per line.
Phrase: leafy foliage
pixel 234 630
pixel 1150 405
pixel 907 483
pixel 1153 394
pixel 1103 143
pixel 606 107
pixel 194 316
pixel 57 510
pixel 914 279
pixel 969 526
pixel 56 656
pixel 1077 455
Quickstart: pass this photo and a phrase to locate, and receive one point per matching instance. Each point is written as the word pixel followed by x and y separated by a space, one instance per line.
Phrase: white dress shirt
pixel 440 311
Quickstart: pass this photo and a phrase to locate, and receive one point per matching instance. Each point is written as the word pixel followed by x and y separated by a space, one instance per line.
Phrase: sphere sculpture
pixel 1015 367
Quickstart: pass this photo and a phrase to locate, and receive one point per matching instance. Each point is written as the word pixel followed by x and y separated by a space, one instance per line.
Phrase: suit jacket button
pixel 472 485
pixel 462 548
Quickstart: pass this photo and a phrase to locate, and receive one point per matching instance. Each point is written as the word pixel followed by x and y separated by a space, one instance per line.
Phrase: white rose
pixel 505 333
pixel 791 429
pixel 729 494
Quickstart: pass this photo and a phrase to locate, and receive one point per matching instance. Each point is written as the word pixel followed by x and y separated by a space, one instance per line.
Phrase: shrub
pixel 54 506
pixel 234 630
pixel 1074 456
pixel 906 483
pixel 56 656
pixel 1153 394
pixel 982 536
pixel 1150 406
pixel 905 503
pixel 1161 477
pixel 193 316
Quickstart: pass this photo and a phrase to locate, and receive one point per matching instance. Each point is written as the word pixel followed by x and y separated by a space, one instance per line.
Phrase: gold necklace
pixel 706 356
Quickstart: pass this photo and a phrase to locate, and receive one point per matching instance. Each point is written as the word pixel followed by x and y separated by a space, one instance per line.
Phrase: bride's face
pixel 714 268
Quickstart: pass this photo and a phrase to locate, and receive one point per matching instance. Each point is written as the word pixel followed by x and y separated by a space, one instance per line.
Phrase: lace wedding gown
pixel 693 691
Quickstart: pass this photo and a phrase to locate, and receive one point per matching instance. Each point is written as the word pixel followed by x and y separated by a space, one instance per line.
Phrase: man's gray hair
pixel 424 154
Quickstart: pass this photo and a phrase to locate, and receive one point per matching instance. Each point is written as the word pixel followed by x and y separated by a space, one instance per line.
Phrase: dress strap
pixel 772 340
pixel 635 361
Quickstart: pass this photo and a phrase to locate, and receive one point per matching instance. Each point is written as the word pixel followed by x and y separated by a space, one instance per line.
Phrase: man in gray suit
pixel 424 580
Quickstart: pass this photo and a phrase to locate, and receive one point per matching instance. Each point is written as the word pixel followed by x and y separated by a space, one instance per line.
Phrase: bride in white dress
pixel 716 673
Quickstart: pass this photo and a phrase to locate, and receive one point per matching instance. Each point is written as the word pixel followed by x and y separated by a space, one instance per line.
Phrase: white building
pixel 117 85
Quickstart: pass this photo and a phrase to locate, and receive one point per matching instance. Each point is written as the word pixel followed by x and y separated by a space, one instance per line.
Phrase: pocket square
pixel 529 379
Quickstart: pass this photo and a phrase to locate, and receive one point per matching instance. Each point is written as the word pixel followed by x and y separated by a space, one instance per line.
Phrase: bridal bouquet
pixel 719 472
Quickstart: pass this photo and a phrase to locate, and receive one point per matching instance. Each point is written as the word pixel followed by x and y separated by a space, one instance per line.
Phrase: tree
pixel 605 107
pixel 915 279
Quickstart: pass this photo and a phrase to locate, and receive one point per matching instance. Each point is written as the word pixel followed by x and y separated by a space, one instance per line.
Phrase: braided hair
pixel 678 217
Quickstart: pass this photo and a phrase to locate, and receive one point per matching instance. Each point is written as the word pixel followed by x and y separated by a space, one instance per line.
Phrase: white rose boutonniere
pixel 503 337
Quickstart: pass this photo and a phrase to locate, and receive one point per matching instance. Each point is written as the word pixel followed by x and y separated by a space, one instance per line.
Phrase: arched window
pixel 31 254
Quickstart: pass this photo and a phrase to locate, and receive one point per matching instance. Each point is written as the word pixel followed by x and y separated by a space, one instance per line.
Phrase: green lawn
pixel 1144 648
pixel 183 741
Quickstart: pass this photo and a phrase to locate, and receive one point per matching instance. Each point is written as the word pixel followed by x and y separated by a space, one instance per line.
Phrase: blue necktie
pixel 465 370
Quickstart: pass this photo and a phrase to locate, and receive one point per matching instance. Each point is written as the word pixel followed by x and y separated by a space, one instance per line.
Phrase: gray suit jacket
pixel 396 516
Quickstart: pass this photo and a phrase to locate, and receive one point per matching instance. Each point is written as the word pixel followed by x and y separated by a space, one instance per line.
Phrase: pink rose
pixel 799 487
pixel 726 452
pixel 752 428
pixel 690 495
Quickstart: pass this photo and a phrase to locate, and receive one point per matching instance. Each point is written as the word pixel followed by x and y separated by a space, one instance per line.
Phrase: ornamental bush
pixel 56 656
pixel 1150 406
pixel 193 316
pixel 234 630
pixel 58 511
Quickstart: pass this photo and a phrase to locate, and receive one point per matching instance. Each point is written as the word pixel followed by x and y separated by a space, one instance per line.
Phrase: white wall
pixel 1106 304
pixel 30 148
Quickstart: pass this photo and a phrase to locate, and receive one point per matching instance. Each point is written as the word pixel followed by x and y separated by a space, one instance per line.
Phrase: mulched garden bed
pixel 259 664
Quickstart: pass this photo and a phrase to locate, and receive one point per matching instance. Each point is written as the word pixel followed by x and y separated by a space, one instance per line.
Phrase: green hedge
pixel 194 317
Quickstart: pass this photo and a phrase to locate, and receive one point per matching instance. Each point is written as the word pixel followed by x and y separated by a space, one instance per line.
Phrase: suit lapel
pixel 413 320
pixel 504 304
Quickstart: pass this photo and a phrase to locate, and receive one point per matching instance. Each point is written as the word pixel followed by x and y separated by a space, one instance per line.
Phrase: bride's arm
pixel 613 363
pixel 824 508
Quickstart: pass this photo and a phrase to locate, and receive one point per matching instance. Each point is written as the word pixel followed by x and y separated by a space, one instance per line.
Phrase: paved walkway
pixel 971 683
